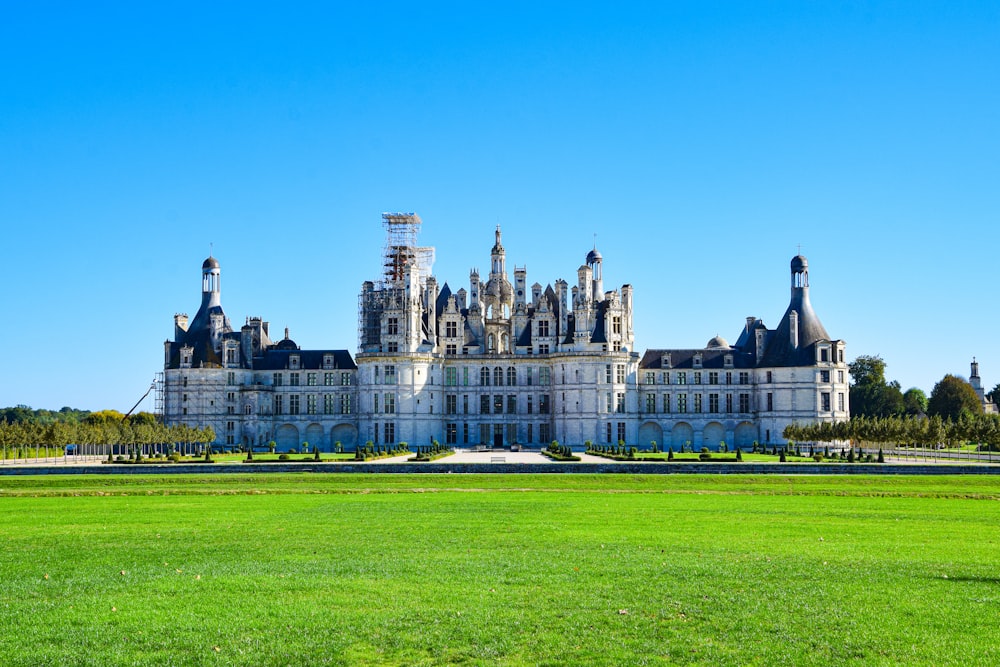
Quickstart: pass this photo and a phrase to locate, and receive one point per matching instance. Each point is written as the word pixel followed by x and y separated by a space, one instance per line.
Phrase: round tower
pixel 211 282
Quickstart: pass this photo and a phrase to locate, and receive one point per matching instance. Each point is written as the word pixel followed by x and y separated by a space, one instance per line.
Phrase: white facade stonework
pixel 498 363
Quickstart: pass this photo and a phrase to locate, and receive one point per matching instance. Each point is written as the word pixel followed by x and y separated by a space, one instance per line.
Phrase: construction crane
pixel 129 413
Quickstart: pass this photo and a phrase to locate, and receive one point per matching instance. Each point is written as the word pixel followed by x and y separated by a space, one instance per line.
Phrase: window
pixel 184 381
pixel 697 377
pixel 713 377
pixel 620 373
pixel 450 404
pixel 824 376
pixel 840 401
pixel 293 404
pixel 231 396
pixel 511 376
pixel 451 329
pixel 682 377
pixel 390 375
pixel 345 404
pixel 616 325
pixel 231 410
pixel 666 402
pixel 529 380
pixel 293 362
pixel 328 404
pixel 310 379
pixel 293 379
pixel 390 404
pixel 498 404
pixel 531 404
pixel 824 401
pixel 484 376
pixel 329 379
pixel 465 404
pixel 729 377
pixel 543 349
pixel 389 430
pixel 744 377
pixel 650 402
pixel 744 403
pixel 666 378
pixel 511 404
pixel 498 377
pixel 620 402
pixel 824 354
pixel 713 403
pixel 230 356
pixel 543 404
pixel 392 326
pixel 650 377
pixel 279 407
pixel 451 349
pixel 621 431
pixel 450 377
pixel 327 361
pixel 531 433
pixel 770 401
pixel 311 404
pixel 543 328
pixel 465 376
pixel 231 378
pixel 392 347
pixel 544 433
pixel 545 376
pixel 607 432
pixel 729 402
pixel 770 378
pixel 375 403
pixel 345 379
pixel 451 433
pixel 682 403
pixel 465 434
pixel 697 403
pixel 484 404
pixel 607 373
pixel 610 405
pixel 840 377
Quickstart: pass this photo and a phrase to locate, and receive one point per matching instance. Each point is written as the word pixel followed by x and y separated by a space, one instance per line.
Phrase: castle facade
pixel 498 363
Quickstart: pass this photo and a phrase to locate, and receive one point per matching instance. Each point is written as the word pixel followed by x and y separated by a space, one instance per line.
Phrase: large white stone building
pixel 498 363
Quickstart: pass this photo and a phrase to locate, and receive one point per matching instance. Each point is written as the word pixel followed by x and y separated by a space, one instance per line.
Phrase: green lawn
pixel 490 569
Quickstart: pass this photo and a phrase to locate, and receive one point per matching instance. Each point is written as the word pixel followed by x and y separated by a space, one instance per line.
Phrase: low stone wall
pixel 514 468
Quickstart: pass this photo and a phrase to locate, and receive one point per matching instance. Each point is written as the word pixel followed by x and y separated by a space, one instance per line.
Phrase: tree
pixel 870 394
pixel 951 397
pixel 915 401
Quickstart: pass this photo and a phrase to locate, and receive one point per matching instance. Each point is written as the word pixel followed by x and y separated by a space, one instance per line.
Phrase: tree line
pixel 905 431
pixel 98 432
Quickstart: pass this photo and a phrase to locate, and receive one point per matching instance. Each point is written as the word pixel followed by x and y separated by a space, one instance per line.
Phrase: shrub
pixel 723 447
pixel 316 453
pixel 705 455
pixel 739 455
pixel 850 455
pixel 817 457
pixel 272 446
pixel 670 454
pixel 881 456
pixel 175 457
pixel 781 457
pixel 283 457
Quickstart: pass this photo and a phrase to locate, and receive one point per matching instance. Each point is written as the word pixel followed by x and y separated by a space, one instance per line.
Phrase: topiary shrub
pixel 881 456
pixel 781 457
pixel 817 457
pixel 283 457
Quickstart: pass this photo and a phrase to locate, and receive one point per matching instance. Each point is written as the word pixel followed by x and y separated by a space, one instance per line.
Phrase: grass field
pixel 490 569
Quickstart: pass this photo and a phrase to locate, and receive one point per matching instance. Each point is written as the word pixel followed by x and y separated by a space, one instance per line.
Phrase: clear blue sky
pixel 701 142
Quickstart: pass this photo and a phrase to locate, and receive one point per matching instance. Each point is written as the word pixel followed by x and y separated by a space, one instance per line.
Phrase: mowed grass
pixel 418 569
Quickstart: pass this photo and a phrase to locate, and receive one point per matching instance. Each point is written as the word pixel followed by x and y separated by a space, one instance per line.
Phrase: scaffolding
pixel 400 252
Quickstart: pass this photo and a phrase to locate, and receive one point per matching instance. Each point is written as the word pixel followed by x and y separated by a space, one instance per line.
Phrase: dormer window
pixel 728 361
pixel 293 362
pixel 697 361
pixel 665 361
pixel 327 361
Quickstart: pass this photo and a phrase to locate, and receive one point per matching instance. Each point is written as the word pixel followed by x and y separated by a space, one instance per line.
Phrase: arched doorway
pixel 286 437
pixel 648 433
pixel 314 436
pixel 681 434
pixel 745 434
pixel 346 435
pixel 713 434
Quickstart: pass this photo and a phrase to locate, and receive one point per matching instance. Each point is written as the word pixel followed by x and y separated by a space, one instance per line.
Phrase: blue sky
pixel 702 142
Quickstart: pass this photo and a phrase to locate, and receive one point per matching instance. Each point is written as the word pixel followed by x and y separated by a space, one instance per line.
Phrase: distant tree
pixel 871 395
pixel 994 394
pixel 951 397
pixel 915 401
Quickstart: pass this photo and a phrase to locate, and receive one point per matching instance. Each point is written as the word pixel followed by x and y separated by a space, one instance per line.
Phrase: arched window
pixel 503 343
pixel 498 376
pixel 484 376
pixel 511 376
pixel 491 344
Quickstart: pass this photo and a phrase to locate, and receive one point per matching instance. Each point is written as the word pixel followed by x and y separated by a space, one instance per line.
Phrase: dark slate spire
pixel 791 344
